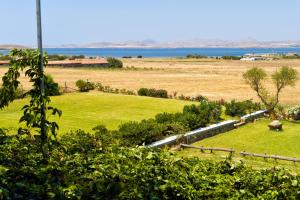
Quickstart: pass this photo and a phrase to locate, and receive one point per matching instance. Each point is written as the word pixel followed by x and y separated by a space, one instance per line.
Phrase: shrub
pixel 51 88
pixel 193 116
pixel 160 93
pixel 143 92
pixel 77 57
pixel 207 111
pixel 195 56
pixel 294 113
pixel 114 63
pixel 57 57
pixel 236 108
pixel 139 133
pixel 231 57
pixel 200 98
pixel 85 86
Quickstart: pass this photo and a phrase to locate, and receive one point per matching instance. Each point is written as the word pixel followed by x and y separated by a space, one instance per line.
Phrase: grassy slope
pixel 86 110
pixel 255 138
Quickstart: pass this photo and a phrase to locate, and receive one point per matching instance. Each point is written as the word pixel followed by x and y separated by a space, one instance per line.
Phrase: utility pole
pixel 41 66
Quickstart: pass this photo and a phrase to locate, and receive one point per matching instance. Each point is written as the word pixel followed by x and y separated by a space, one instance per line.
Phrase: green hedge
pixel 151 92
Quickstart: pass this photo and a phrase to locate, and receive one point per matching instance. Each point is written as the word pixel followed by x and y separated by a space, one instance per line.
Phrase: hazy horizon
pixel 78 22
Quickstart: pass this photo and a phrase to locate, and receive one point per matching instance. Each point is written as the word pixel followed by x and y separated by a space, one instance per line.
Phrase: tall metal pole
pixel 41 66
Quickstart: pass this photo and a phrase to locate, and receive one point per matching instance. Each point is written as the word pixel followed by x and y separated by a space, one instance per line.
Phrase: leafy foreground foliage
pixel 83 167
pixel 34 114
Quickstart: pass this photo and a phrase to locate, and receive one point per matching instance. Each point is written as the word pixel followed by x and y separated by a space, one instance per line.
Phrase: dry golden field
pixel 209 77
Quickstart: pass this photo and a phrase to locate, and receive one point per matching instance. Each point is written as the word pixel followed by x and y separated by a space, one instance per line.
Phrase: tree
pixel 28 61
pixel 284 77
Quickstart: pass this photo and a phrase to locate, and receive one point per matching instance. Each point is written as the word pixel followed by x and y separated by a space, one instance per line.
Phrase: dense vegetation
pixel 152 92
pixel 231 57
pixel 196 56
pixel 82 166
pixel 85 86
pixel 294 113
pixel 240 108
pixel 114 63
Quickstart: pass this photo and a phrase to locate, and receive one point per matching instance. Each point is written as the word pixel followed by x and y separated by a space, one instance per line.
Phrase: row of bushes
pixel 83 166
pixel 166 124
pixel 240 108
pixel 108 89
pixel 139 56
pixel 231 57
pixel 195 56
pixel 85 86
pixel 152 92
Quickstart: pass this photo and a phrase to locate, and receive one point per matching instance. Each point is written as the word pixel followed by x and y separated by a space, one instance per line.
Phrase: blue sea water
pixel 166 52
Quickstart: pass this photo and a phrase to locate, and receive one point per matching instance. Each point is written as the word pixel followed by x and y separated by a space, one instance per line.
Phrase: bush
pixel 114 63
pixel 294 113
pixel 143 92
pixel 77 57
pixel 139 133
pixel 85 86
pixel 196 56
pixel 236 108
pixel 231 57
pixel 207 111
pixel 193 116
pixel 153 92
pixel 51 88
pixel 57 57
pixel 200 98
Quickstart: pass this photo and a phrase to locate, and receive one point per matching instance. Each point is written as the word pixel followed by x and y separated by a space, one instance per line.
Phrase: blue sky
pixel 80 22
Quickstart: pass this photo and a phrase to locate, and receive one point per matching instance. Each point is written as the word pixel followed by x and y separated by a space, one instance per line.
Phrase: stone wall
pixel 206 132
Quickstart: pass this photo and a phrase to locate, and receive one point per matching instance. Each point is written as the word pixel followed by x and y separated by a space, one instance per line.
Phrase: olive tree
pixel 282 78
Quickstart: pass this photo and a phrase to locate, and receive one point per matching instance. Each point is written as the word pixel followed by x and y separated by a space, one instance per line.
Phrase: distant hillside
pixel 11 46
pixel 195 43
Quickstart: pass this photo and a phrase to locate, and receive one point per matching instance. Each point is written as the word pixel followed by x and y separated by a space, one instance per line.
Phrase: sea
pixel 165 52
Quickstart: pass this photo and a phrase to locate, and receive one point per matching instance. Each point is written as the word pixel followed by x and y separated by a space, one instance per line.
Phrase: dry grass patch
pixel 210 77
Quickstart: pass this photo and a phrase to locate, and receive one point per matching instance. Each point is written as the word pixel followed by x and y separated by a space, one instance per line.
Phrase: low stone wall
pixel 207 132
pixel 167 141
pixel 255 115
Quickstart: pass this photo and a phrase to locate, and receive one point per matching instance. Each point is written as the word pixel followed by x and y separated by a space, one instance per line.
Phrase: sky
pixel 82 22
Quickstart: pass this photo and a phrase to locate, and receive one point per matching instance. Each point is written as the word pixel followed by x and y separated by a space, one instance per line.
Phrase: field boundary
pixel 242 153
pixel 207 132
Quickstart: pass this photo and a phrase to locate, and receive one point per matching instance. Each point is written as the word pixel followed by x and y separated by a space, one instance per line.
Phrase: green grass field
pixel 255 138
pixel 87 110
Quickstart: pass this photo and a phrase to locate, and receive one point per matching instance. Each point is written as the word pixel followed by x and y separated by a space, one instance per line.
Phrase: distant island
pixel 194 43
pixel 12 46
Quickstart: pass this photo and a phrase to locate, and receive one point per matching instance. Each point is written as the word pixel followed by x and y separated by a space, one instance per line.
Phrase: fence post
pixel 65 87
